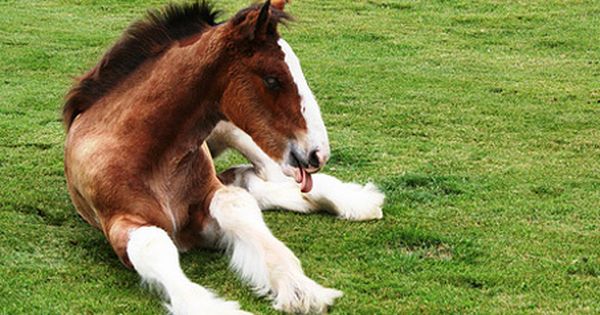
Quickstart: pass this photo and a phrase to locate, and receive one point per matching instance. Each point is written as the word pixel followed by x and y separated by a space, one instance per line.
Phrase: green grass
pixel 479 119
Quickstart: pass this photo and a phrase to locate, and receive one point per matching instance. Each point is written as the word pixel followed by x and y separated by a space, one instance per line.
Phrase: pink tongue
pixel 306 181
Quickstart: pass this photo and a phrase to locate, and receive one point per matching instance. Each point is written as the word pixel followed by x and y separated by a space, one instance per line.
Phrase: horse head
pixel 267 95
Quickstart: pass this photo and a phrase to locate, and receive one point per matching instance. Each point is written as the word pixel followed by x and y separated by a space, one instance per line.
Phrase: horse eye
pixel 272 83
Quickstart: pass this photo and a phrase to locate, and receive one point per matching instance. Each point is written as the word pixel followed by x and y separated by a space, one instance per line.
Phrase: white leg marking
pixel 283 194
pixel 261 259
pixel 227 134
pixel 155 258
pixel 347 200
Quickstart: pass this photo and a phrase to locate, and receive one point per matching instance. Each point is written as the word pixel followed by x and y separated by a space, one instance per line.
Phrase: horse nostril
pixel 313 159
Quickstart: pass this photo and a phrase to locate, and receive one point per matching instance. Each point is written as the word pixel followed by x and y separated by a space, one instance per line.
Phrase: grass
pixel 479 119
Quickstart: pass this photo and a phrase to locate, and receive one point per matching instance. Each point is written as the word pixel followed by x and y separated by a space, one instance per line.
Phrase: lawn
pixel 479 119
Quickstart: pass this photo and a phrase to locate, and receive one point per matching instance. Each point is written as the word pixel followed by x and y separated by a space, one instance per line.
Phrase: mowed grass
pixel 479 119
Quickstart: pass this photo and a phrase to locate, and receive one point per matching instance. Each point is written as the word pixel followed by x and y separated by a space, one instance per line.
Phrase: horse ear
pixel 279 4
pixel 253 24
pixel 263 19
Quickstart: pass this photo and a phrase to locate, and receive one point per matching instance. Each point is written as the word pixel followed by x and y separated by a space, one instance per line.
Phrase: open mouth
pixel 305 180
pixel 301 176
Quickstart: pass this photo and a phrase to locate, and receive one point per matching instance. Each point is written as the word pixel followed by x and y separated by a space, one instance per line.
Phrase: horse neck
pixel 176 102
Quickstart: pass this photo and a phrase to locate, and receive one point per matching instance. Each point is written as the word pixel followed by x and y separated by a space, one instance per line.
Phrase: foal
pixel 137 170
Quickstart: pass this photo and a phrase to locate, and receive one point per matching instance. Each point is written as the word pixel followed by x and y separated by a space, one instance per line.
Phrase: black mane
pixel 144 39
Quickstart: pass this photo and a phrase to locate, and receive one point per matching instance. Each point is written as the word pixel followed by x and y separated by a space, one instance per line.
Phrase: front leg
pixel 227 135
pixel 349 201
pixel 273 189
pixel 261 259
pixel 154 256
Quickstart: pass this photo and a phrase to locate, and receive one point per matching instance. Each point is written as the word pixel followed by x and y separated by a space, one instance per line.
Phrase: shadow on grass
pixel 39 146
pixel 50 214
pixel 426 245
pixel 423 188
pixel 585 266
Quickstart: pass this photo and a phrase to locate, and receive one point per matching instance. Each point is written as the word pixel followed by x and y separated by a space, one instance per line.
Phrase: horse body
pixel 144 162
pixel 136 167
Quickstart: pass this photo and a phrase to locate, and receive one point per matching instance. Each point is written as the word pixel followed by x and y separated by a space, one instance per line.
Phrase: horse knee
pixel 233 208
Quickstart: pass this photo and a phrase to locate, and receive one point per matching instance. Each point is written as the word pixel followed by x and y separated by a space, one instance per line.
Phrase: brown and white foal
pixel 137 168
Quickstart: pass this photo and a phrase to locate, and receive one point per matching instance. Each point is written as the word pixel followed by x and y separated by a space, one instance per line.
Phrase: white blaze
pixel 317 134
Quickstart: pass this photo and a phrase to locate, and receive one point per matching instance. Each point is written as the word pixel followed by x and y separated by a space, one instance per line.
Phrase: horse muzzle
pixel 301 164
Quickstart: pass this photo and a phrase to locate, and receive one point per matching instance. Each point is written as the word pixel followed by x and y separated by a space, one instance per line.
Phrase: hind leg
pixel 349 201
pixel 261 259
pixel 152 253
